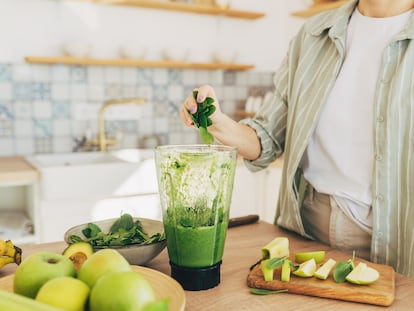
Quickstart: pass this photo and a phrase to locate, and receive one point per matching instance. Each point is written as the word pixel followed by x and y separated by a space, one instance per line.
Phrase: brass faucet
pixel 103 141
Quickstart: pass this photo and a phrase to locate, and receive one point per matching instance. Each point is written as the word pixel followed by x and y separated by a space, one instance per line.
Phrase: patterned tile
pixel 78 74
pixel 6 90
pixel 22 109
pixel 42 128
pixel 61 109
pixel 5 72
pixel 41 91
pixel 23 91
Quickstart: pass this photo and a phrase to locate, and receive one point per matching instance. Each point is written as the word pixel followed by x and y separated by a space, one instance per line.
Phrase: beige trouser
pixel 327 223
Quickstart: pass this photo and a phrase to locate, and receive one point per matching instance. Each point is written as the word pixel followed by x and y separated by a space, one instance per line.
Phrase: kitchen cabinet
pixel 19 219
pixel 183 7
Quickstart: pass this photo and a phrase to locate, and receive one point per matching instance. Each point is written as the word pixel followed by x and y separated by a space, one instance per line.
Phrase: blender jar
pixel 195 185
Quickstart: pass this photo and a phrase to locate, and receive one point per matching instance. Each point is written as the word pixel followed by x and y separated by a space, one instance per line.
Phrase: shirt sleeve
pixel 270 122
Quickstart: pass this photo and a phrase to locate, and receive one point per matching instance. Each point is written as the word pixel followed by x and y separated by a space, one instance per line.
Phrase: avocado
pixel 78 252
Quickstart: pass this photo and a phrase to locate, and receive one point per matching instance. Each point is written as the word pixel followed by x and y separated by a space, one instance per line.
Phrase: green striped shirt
pixel 286 122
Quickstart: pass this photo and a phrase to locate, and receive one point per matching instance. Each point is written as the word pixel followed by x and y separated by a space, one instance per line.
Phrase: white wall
pixel 38 27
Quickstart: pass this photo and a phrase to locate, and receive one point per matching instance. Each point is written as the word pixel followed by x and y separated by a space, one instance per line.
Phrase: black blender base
pixel 196 278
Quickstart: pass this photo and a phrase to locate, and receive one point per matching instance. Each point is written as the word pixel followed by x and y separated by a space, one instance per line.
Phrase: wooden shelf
pixel 133 63
pixel 182 7
pixel 320 7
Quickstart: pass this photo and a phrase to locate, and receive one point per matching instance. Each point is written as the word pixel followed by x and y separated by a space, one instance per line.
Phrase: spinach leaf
pixel 343 268
pixel 262 291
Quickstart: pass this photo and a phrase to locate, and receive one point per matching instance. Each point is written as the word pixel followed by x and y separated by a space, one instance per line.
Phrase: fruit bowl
pixel 136 254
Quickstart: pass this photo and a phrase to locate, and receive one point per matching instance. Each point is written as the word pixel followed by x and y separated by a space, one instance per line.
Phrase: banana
pixel 8 249
pixel 5 260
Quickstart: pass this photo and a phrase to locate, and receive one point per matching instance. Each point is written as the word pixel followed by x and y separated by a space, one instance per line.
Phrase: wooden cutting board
pixel 381 292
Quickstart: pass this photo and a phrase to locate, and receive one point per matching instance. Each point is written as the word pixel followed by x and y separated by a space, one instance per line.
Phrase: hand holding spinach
pixel 201 118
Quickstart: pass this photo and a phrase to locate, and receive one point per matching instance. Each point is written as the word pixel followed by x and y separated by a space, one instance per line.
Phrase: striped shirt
pixel 285 123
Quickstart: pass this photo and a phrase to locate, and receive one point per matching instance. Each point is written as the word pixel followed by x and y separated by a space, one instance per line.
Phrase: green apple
pixel 64 292
pixel 306 269
pixel 277 248
pixel 121 291
pixel 324 270
pixel 39 268
pixel 319 256
pixel 362 275
pixel 100 263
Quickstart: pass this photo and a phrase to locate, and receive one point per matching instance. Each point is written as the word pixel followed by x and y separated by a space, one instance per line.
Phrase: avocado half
pixel 78 252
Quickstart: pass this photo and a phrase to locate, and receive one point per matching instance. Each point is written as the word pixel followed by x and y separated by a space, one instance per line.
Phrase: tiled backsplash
pixel 46 108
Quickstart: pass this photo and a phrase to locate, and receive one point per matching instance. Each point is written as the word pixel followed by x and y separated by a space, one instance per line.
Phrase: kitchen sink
pixel 95 174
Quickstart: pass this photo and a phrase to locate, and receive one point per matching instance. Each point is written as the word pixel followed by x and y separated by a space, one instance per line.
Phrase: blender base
pixel 196 278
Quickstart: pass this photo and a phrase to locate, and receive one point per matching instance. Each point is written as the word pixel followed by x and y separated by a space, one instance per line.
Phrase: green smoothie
pixel 195 247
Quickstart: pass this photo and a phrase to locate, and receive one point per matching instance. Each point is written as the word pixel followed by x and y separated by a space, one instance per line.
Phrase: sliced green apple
pixel 285 274
pixel 319 256
pixel 277 248
pixel 267 272
pixel 362 275
pixel 306 269
pixel 324 270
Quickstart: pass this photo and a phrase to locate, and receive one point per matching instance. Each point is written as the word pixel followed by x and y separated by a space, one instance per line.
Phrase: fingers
pixel 185 117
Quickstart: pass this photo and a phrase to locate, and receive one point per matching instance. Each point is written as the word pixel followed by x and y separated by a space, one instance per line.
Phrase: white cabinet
pixel 19 219
pixel 256 193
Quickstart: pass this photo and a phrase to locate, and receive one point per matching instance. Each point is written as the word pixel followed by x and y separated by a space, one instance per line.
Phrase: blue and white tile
pixel 6 128
pixel 7 147
pixel 112 74
pixel 23 109
pixel 42 109
pixel 129 91
pixel 61 73
pixel 96 74
pixel 96 92
pixel 147 110
pixel 113 91
pixel 241 78
pixel 21 73
pixel 61 127
pixel 176 93
pixel 78 92
pixel 41 91
pixel 6 110
pixel 78 74
pixel 160 125
pixel 41 73
pixel 145 91
pixel 6 90
pixel 23 129
pixel 85 111
pixel 189 77
pixel 43 145
pixel 129 75
pixel 160 93
pixel 160 76
pixel 61 110
pixel 216 77
pixel 5 72
pixel 42 128
pixel 145 126
pixel 161 108
pixel 202 77
pixel 24 146
pixel 60 91
pixel 23 91
pixel 175 76
pixel 144 76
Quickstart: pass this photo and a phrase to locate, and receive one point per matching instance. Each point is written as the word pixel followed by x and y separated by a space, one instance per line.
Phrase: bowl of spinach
pixel 139 240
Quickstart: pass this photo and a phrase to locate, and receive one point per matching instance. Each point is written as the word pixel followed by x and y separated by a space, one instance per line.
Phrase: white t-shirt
pixel 339 158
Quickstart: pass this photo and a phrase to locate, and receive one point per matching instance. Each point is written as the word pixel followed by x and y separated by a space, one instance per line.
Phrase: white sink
pixel 95 174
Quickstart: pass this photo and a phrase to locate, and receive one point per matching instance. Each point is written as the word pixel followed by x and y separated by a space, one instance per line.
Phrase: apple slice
pixel 319 256
pixel 324 270
pixel 277 248
pixel 362 275
pixel 306 269
pixel 285 274
pixel 267 272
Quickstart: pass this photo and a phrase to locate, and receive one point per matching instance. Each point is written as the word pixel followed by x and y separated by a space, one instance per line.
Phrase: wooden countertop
pixel 243 249
pixel 16 170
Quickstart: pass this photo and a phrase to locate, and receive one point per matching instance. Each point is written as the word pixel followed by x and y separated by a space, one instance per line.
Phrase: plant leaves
pixel 201 118
pixel 262 291
pixel 275 263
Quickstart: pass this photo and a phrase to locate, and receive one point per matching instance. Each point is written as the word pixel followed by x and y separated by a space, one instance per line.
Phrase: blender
pixel 195 185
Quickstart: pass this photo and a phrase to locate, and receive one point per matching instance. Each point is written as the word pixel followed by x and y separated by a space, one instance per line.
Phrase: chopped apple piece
pixel 362 275
pixel 319 256
pixel 285 274
pixel 324 270
pixel 277 248
pixel 267 272
pixel 306 269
